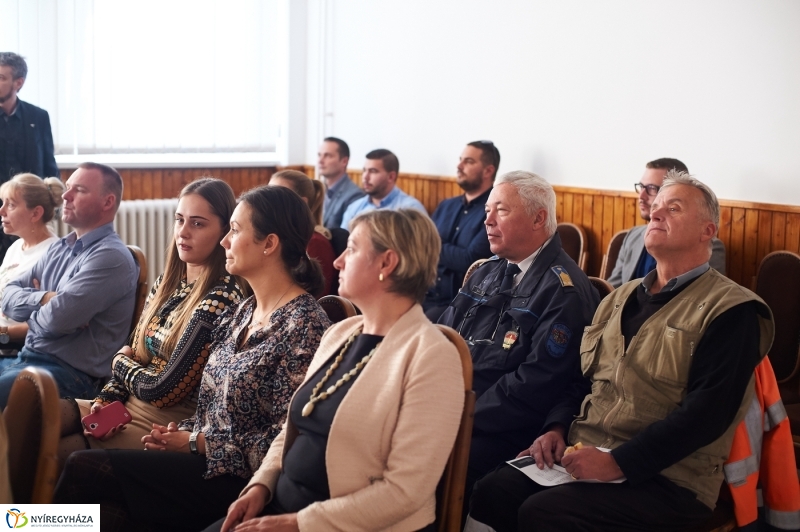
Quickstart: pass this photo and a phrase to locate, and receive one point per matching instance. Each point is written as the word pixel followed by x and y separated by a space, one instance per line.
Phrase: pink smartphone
pixel 106 419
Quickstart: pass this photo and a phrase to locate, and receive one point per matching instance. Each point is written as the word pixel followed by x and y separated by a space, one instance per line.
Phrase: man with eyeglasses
pixel 634 262
pixel 460 224
pixel 522 314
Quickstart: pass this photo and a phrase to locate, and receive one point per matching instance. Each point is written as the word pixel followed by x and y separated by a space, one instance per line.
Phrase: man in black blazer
pixel 26 142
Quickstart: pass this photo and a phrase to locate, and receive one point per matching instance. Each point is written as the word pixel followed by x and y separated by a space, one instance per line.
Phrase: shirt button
pixel 457 228
pixel 466 212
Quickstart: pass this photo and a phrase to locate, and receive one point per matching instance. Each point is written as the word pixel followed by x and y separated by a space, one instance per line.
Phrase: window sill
pixel 171 160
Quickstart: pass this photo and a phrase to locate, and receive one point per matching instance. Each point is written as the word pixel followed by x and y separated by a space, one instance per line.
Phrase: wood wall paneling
pixel 749 230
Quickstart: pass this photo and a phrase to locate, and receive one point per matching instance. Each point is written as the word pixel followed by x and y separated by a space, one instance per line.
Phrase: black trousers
pixel 509 501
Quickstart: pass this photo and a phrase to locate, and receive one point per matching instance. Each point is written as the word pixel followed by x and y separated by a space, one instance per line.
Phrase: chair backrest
pixel 337 308
pixel 450 494
pixel 573 241
pixel 612 254
pixel 474 266
pixel 778 284
pixel 33 422
pixel 141 285
pixel 603 286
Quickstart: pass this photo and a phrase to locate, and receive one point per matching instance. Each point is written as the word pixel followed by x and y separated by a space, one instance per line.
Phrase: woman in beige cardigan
pixel 368 435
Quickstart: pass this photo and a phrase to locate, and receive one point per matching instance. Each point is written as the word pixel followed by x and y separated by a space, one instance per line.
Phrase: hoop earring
pixel 380 277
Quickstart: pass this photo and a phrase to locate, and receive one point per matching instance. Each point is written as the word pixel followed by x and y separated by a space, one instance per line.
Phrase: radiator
pixel 146 224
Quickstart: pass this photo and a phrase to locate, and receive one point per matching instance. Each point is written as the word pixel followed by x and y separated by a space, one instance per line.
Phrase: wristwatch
pixel 193 442
pixel 4 337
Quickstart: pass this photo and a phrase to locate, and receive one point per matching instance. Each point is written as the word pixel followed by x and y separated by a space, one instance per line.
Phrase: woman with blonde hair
pixel 29 204
pixel 313 193
pixel 157 376
pixel 370 429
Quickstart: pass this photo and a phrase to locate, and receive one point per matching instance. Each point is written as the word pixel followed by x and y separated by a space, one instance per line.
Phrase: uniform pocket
pixel 590 343
pixel 672 361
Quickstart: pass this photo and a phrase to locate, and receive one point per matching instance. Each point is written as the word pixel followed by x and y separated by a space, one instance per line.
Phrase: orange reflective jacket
pixel 762 458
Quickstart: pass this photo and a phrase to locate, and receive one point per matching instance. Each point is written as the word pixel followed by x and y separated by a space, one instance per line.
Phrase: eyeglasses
pixel 652 190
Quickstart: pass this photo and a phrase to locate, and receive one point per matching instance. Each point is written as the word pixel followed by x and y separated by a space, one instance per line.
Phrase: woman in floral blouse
pixel 158 374
pixel 260 353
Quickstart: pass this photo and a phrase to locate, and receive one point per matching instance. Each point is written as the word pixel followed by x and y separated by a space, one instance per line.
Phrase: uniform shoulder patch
pixel 558 340
pixel 562 275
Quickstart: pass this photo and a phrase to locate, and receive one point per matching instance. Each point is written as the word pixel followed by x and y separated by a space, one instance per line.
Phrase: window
pixel 155 77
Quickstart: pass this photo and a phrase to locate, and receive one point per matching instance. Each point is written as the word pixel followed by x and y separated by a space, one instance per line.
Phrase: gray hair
pixel 19 69
pixel 535 193
pixel 709 204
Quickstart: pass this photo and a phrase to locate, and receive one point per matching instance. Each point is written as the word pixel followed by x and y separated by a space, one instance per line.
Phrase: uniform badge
pixel 510 339
pixel 558 340
pixel 562 275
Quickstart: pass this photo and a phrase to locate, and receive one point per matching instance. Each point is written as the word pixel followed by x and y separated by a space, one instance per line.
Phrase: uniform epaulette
pixel 562 275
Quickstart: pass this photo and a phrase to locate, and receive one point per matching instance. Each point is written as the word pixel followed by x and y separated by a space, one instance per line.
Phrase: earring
pixel 380 277
pixel 265 252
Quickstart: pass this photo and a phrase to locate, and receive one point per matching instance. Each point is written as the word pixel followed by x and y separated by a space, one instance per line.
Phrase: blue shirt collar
pixel 79 244
pixel 336 185
pixel 390 197
pixel 675 282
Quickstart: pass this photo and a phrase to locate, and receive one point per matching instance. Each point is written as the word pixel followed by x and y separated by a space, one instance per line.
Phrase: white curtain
pixel 154 76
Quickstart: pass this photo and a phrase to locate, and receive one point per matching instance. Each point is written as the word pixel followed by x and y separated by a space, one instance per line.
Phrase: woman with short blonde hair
pixel 370 429
pixel 29 204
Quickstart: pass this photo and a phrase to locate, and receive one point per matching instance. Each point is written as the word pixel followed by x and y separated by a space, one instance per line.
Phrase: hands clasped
pixel 167 438
pixel 584 463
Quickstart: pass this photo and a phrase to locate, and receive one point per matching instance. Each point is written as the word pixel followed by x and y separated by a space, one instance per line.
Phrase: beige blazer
pixel 392 434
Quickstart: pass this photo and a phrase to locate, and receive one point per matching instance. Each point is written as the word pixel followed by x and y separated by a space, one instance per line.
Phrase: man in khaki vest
pixel 667 365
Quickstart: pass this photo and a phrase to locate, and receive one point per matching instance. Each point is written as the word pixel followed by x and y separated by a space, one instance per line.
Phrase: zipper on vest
pixel 619 391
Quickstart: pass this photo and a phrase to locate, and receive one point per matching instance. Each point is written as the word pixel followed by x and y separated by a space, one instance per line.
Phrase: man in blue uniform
pixel 522 314
pixel 460 224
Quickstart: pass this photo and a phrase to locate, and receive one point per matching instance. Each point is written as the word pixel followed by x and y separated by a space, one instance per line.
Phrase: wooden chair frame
pixel 612 254
pixel 450 496
pixel 141 285
pixel 337 308
pixel 603 286
pixel 474 266
pixel 583 255
pixel 32 414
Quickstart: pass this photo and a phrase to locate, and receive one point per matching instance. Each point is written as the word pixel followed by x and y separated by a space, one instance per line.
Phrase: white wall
pixel 582 92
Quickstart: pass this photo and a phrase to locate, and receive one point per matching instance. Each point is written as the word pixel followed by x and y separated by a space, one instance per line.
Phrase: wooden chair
pixel 603 286
pixel 612 254
pixel 778 284
pixel 450 494
pixel 33 420
pixel 573 241
pixel 337 308
pixel 141 285
pixel 474 266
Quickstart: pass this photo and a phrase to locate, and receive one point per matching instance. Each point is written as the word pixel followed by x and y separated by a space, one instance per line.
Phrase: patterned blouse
pixel 244 394
pixel 170 378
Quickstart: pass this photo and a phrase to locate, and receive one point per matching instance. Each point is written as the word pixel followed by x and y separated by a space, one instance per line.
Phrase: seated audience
pixel 522 314
pixel 312 191
pixel 668 368
pixel 370 429
pixel 332 159
pixel 633 261
pixel 78 299
pixel 29 204
pixel 460 224
pixel 157 376
pixel 260 353
pixel 379 182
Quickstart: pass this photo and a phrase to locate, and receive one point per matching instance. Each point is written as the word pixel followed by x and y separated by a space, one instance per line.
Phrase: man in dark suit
pixel 460 224
pixel 26 142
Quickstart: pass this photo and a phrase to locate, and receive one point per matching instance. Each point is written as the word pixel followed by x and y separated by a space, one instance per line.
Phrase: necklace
pixel 258 323
pixel 316 396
